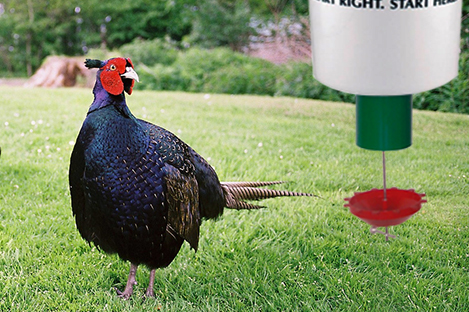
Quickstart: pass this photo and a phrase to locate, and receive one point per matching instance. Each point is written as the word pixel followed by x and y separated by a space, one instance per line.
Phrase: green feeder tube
pixel 384 123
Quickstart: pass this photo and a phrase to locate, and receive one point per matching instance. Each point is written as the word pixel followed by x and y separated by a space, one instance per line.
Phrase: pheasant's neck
pixel 102 99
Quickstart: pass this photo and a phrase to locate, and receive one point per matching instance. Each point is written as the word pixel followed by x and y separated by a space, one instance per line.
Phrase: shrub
pixel 219 23
pixel 150 52
pixel 296 79
pixel 197 64
pixel 220 70
pixel 161 77
pixel 250 77
pixel 451 97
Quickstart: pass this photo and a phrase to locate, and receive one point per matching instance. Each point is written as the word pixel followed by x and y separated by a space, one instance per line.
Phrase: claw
pixel 149 294
pixel 124 294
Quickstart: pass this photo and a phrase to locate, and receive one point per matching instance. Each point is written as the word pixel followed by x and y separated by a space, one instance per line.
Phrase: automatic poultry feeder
pixel 384 51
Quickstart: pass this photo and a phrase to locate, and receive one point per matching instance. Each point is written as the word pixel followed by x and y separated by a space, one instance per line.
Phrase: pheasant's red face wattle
pixel 111 76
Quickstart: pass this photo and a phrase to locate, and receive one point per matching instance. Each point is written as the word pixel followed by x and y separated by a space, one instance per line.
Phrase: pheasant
pixel 138 190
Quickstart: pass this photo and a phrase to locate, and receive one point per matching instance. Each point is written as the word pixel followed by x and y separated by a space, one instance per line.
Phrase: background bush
pixel 453 96
pixel 220 70
pixel 150 52
pixel 296 79
pixel 251 77
pixel 32 30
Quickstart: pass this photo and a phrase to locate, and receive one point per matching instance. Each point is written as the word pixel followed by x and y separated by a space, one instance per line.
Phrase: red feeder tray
pixel 371 207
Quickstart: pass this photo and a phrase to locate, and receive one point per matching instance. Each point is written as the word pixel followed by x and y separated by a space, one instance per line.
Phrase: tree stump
pixel 61 71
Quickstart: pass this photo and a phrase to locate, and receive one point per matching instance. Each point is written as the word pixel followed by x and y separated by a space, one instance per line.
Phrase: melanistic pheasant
pixel 139 191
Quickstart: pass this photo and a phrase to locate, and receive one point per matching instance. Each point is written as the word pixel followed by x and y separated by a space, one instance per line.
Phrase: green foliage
pixel 197 64
pixel 265 9
pixel 218 70
pixel 32 30
pixel 299 254
pixel 150 52
pixel 224 71
pixel 296 79
pixel 144 19
pixel 253 77
pixel 160 77
pixel 453 96
pixel 230 22
pixel 222 23
pixel 465 26
pixel 221 70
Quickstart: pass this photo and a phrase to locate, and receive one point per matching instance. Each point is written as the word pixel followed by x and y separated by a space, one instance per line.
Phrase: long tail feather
pixel 237 192
pixel 251 184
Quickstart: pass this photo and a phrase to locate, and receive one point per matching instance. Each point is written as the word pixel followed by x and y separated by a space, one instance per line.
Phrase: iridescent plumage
pixel 139 191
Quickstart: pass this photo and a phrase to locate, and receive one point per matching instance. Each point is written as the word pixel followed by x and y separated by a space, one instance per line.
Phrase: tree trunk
pixel 29 66
pixel 58 72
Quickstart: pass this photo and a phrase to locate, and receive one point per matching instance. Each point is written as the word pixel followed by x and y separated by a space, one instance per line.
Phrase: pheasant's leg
pixel 150 292
pixel 130 283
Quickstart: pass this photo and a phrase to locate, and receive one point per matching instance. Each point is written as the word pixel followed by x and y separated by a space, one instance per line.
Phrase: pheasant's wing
pixel 182 198
pixel 212 199
pixel 76 172
pixel 182 190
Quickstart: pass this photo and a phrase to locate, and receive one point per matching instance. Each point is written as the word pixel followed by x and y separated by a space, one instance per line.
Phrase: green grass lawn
pixel 299 254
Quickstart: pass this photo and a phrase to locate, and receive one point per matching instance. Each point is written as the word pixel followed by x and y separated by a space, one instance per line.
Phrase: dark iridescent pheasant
pixel 139 191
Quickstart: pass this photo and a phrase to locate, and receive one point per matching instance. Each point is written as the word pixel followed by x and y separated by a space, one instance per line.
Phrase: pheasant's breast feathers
pixel 171 149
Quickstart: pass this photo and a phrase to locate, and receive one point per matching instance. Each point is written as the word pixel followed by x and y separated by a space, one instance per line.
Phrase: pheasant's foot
pixel 150 293
pixel 129 287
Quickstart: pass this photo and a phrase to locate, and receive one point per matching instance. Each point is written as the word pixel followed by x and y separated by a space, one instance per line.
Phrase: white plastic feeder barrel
pixel 385 47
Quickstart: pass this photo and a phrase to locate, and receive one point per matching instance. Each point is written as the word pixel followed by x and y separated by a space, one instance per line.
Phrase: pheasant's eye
pixel 112 67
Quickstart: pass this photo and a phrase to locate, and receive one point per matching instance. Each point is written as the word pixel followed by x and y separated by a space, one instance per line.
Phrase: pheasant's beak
pixel 130 74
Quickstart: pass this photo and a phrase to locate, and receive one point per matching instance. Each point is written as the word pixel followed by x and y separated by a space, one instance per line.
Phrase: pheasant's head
pixel 116 75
